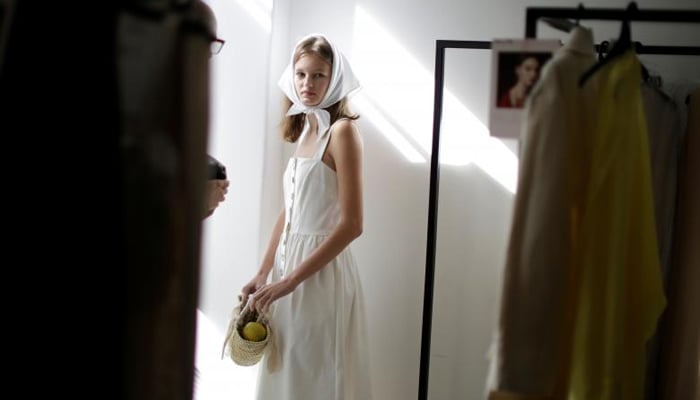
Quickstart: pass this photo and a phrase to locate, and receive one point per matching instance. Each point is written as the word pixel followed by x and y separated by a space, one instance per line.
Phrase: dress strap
pixel 323 144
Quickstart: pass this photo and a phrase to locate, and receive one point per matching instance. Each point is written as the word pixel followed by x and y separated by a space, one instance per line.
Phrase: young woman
pixel 318 349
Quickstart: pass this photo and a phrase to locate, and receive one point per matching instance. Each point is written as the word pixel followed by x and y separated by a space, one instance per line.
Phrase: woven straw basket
pixel 245 352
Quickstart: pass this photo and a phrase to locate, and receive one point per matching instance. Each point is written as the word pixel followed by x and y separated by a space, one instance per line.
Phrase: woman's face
pixel 527 71
pixel 312 75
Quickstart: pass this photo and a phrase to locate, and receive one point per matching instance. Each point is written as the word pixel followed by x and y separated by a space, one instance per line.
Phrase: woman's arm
pixel 268 260
pixel 345 152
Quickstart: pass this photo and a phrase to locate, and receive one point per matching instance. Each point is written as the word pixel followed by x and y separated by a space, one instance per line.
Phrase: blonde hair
pixel 293 125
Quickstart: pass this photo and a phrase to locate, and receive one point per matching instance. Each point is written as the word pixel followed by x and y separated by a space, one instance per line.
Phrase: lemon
pixel 254 331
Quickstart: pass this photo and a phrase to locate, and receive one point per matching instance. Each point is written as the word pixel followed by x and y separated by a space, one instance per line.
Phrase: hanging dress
pixel 319 343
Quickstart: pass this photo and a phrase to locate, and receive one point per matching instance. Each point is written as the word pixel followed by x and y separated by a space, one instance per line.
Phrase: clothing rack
pixel 440 47
pixel 533 15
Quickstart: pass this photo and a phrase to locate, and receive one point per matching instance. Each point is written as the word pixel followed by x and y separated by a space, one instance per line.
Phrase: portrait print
pixel 516 68
pixel 517 75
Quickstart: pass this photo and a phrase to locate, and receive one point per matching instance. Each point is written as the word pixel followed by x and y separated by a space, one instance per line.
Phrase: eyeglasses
pixel 216 45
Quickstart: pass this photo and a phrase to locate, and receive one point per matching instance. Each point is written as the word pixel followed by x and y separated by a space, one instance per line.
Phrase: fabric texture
pixel 582 286
pixel 664 126
pixel 680 347
pixel 319 348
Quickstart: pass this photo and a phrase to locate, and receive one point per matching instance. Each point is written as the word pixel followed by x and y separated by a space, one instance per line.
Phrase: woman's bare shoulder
pixel 345 139
pixel 345 127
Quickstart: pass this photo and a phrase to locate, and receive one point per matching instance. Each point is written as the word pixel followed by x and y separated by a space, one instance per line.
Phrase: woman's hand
pixel 253 286
pixel 267 294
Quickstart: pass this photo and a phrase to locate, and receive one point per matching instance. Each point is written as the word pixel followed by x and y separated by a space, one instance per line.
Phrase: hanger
pixel 603 48
pixel 639 49
pixel 565 25
pixel 580 11
pixel 623 43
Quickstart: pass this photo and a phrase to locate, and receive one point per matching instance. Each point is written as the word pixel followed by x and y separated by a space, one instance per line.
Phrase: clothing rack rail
pixel 534 14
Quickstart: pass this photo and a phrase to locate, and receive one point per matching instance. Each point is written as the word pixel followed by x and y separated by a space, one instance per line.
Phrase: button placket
pixel 288 225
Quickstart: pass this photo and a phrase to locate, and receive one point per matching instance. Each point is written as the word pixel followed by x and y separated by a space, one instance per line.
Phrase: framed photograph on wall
pixel 516 67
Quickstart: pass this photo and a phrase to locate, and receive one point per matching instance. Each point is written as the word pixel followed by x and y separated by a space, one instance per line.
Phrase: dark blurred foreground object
pixel 215 169
pixel 163 86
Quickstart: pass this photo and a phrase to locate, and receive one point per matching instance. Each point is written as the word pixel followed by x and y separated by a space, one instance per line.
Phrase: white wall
pixel 391 44
pixel 237 138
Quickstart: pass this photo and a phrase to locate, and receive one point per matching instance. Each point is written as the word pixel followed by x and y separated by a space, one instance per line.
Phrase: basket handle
pixel 261 316
pixel 229 331
pixel 232 324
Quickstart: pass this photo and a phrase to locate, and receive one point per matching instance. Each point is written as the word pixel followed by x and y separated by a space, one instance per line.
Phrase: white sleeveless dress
pixel 319 348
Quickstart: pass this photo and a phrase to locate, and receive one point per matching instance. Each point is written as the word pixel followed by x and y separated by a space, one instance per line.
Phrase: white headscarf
pixel 343 83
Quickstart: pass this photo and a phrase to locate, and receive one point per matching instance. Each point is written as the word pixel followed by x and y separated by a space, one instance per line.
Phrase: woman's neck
pixel 313 124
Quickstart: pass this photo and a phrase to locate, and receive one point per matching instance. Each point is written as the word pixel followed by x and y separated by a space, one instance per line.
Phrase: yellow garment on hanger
pixel 620 294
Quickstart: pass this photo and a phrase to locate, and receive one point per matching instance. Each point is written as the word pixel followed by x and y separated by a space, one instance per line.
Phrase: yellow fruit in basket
pixel 254 331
